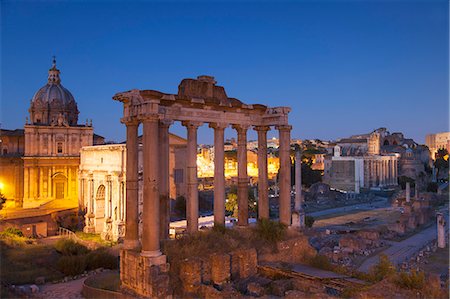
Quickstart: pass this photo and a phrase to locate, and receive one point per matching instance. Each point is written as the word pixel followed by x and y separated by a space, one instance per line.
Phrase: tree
pixel 231 204
pixel 2 200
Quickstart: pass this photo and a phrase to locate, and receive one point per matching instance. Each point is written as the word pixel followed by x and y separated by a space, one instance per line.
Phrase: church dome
pixel 53 103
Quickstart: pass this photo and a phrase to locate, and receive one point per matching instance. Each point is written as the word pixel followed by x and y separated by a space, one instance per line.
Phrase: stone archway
pixel 100 202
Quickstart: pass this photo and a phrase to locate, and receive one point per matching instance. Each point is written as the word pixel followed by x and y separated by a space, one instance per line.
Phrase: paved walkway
pixel 66 290
pixel 402 251
pixel 378 204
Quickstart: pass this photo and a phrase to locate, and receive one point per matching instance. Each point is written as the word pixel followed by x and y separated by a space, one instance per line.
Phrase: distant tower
pixel 374 144
pixel 337 151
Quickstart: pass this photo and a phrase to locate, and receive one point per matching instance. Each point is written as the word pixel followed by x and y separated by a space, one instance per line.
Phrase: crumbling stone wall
pixel 296 250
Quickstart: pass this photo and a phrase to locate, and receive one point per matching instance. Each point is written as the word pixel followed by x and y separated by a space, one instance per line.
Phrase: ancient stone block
pixel 39 280
pixel 220 268
pixel 279 287
pixel 255 289
pixel 191 274
pixel 351 244
pixel 247 262
pixel 209 292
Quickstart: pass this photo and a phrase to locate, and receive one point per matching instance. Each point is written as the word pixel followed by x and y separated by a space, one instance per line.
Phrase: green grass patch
pixel 94 238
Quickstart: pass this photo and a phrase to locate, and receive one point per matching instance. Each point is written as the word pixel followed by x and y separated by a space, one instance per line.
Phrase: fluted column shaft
pixel 164 204
pixel 219 173
pixel 285 174
pixel 192 180
pixel 242 192
pixel 150 212
pixel 132 214
pixel 263 180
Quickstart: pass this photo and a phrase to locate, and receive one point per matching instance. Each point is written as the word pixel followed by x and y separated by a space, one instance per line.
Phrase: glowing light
pixel 1 186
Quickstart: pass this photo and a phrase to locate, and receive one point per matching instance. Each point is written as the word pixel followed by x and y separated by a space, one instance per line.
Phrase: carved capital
pixel 150 118
pixel 191 124
pixel 261 128
pixel 284 128
pixel 165 123
pixel 241 129
pixel 218 126
pixel 130 121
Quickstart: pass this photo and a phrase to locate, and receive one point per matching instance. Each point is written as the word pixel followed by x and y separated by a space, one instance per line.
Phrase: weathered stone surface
pixel 351 244
pixel 244 263
pixel 39 280
pixel 279 287
pixel 291 251
pixel 143 275
pixel 191 274
pixel 255 289
pixel 209 292
pixel 220 268
pixel 34 288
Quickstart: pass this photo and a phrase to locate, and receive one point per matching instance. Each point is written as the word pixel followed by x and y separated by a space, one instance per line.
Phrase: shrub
pixel 270 230
pixel 71 264
pixel 412 280
pixel 101 258
pixel 309 221
pixel 432 187
pixel 219 228
pixel 13 231
pixel 70 247
pixel 383 269
pixel 321 262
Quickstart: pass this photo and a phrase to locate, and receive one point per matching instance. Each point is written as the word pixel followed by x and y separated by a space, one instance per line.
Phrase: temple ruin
pixel 198 101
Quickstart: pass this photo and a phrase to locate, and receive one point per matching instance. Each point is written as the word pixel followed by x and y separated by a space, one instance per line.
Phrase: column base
pixel 144 276
pixel 298 219
pixel 151 254
pixel 131 244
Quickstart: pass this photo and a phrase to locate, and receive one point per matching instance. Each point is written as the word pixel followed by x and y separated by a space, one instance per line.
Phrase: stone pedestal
pixel 144 276
pixel 298 219
pixel 408 192
pixel 89 228
pixel 440 230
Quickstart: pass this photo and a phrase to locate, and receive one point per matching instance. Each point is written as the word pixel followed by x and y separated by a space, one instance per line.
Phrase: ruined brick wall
pixel 296 250
pixel 144 276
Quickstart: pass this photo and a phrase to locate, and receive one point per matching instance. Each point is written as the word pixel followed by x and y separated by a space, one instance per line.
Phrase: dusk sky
pixel 344 67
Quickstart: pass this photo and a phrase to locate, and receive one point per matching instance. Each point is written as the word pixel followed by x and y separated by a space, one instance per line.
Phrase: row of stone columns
pixel 156 207
pixel 385 171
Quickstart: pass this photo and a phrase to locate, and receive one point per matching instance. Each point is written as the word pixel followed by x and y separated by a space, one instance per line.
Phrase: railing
pixel 66 233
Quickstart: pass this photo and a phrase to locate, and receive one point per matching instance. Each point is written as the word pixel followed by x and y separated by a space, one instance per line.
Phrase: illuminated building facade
pixel 45 155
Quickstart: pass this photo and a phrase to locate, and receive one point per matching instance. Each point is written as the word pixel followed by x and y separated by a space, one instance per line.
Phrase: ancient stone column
pixel 408 192
pixel 416 191
pixel 285 173
pixel 219 173
pixel 150 211
pixel 263 180
pixel 132 214
pixel 298 216
pixel 242 192
pixel 440 229
pixel 192 180
pixel 164 186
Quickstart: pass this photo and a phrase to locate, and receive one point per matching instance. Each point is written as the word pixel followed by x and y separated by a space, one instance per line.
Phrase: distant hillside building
pixel 437 141
pixel 40 163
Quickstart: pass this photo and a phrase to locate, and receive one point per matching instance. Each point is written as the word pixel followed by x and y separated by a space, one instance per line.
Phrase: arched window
pixel 100 192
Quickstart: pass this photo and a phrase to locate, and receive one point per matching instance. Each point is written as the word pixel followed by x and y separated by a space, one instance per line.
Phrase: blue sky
pixel 345 67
